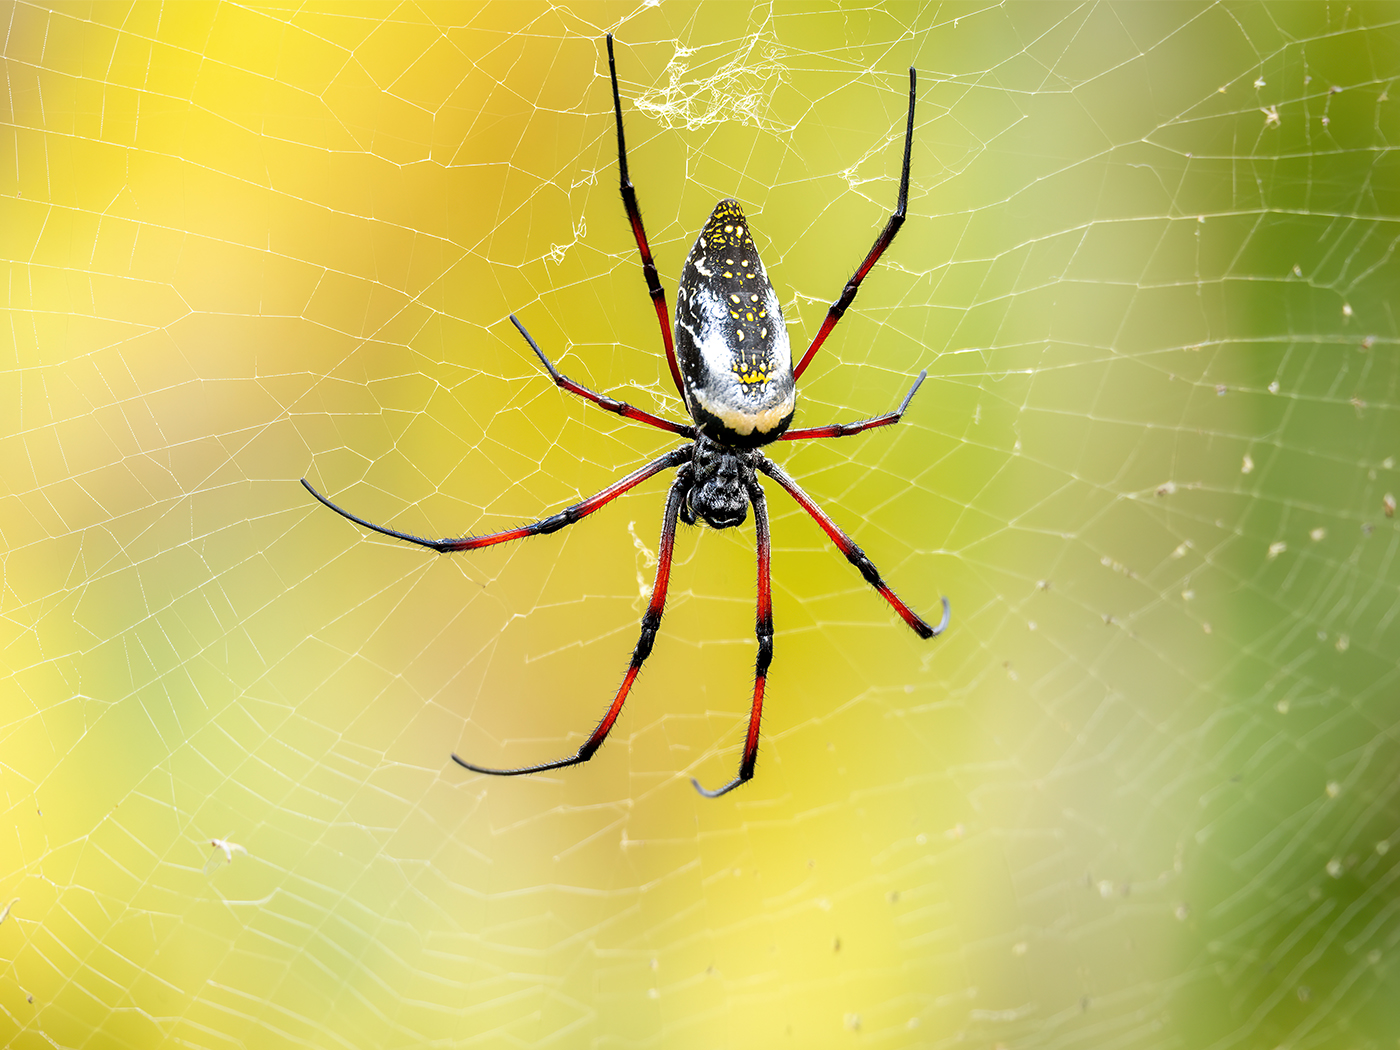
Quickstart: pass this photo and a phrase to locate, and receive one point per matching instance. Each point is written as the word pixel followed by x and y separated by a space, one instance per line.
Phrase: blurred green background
pixel 1141 794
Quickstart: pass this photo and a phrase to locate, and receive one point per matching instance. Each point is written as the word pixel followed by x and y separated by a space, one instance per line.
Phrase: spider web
pixel 1141 794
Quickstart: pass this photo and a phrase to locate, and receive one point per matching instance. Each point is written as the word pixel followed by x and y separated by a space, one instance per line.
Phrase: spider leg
pixel 854 554
pixel 553 523
pixel 634 216
pixel 651 621
pixel 838 430
pixel 622 408
pixel 881 243
pixel 764 629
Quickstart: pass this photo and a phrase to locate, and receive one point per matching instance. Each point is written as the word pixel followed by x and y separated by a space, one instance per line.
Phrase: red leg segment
pixel 837 430
pixel 764 630
pixel 854 554
pixel 553 523
pixel 622 408
pixel 634 216
pixel 651 621
pixel 881 243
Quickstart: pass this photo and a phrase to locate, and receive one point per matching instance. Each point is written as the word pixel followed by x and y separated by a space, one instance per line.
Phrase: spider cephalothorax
pixel 732 364
pixel 719 485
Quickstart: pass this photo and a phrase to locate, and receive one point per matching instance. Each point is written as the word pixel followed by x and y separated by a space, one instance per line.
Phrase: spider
pixel 732 364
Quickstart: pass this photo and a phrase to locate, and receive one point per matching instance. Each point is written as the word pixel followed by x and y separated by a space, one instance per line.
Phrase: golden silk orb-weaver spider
pixel 732 364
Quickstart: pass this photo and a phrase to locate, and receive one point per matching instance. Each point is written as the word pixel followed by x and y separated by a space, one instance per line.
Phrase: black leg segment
pixel 651 622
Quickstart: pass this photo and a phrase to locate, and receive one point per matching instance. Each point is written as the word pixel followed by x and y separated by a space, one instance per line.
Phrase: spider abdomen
pixel 731 341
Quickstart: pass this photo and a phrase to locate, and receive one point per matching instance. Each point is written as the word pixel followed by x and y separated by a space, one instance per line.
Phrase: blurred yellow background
pixel 1142 793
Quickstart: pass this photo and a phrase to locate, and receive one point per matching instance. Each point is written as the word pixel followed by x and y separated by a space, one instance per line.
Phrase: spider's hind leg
pixel 639 233
pixel 608 404
pixel 836 430
pixel 882 242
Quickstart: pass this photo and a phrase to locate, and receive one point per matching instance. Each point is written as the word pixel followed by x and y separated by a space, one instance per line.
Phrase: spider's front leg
pixel 763 627
pixel 854 554
pixel 651 622
pixel 544 526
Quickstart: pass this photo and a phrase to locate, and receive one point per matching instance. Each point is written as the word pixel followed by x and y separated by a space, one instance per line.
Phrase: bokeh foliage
pixel 1141 794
